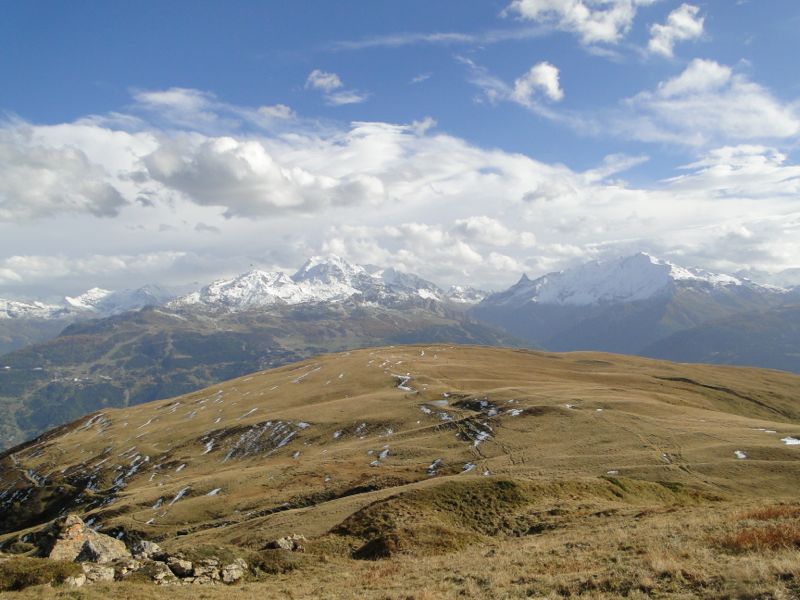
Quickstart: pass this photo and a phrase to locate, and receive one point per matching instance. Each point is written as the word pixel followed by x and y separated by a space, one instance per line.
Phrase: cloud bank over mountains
pixel 180 184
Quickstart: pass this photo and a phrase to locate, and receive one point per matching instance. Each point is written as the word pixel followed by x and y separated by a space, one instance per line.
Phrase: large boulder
pixel 233 572
pixel 143 550
pixel 292 543
pixel 158 572
pixel 96 573
pixel 75 541
pixel 179 566
pixel 207 569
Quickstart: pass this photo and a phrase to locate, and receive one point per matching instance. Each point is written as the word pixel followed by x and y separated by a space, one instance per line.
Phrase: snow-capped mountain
pixel 13 309
pixel 461 294
pixel 320 279
pixel 107 302
pixel 629 279
pixel 621 305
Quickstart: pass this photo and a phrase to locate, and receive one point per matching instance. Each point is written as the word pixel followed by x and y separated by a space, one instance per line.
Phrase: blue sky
pixel 465 141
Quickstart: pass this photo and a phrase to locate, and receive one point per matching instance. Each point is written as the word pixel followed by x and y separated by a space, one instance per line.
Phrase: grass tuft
pixel 22 572
pixel 760 539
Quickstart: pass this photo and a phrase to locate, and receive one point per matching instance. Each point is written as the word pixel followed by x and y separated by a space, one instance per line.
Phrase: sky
pixel 465 141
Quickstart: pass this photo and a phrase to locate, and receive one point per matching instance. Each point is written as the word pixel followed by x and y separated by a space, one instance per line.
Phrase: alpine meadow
pixel 399 300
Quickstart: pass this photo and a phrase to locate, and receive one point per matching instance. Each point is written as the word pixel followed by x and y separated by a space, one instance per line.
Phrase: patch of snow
pixel 180 495
pixel 469 467
pixel 214 492
pixel 740 455
pixel 790 441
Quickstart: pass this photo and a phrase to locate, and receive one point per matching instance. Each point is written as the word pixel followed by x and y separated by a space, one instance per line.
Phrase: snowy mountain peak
pixel 13 309
pixel 108 302
pixel 328 269
pixel 465 295
pixel 626 279
pixel 89 300
pixel 320 279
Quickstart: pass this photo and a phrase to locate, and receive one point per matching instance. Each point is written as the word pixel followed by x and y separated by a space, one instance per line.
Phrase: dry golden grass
pixel 607 477
pixel 664 553
pixel 771 513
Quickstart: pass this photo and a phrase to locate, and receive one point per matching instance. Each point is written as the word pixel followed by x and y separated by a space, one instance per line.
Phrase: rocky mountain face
pixel 622 305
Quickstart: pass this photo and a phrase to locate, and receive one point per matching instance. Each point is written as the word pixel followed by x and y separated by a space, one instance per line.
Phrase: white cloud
pixel 593 21
pixel 245 179
pixel 346 97
pixel 540 80
pixel 407 195
pixel 707 104
pixel 277 111
pixel 741 171
pixel 397 40
pixel 701 76
pixel 324 81
pixel 32 269
pixel 683 23
pixel 543 78
pixel 331 86
pixel 204 112
pixel 491 232
pixel 39 180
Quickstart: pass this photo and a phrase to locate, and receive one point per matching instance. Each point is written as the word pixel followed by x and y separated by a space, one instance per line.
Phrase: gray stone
pixel 158 572
pixel 179 566
pixel 75 580
pixel 292 543
pixel 144 549
pixel 75 541
pixel 125 566
pixel 233 572
pixel 95 573
pixel 208 567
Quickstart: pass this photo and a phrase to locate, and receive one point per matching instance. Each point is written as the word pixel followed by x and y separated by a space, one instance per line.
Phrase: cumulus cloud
pixel 406 195
pixel 543 78
pixel 540 82
pixel 741 171
pixel 491 232
pixel 324 81
pixel 593 21
pixel 683 23
pixel 331 86
pixel 35 268
pixel 707 104
pixel 38 180
pixel 245 179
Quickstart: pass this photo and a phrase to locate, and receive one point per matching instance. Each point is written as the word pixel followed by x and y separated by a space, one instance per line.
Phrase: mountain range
pixel 115 353
pixel 623 305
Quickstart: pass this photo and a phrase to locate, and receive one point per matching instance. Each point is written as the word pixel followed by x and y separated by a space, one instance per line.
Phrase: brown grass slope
pixel 573 474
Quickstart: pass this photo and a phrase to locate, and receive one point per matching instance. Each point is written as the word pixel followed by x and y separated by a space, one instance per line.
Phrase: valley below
pixel 435 470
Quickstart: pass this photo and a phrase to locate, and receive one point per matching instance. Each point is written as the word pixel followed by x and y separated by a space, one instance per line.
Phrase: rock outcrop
pixel 75 541
pixel 104 558
pixel 292 543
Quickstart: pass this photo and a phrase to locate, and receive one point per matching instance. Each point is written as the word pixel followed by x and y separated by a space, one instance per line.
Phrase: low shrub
pixel 21 572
